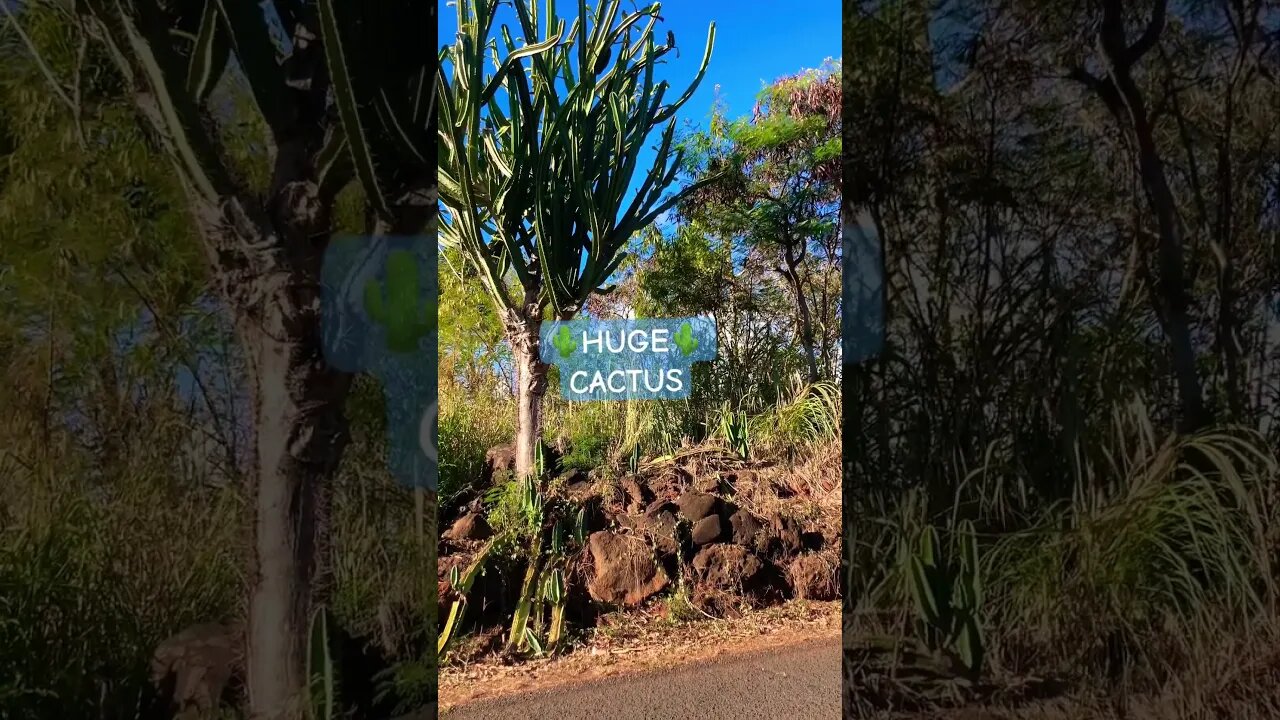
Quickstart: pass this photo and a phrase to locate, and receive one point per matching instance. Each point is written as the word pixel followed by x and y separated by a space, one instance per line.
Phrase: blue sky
pixel 757 41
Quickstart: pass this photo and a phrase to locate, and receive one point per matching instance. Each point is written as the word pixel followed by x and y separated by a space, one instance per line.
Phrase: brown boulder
pixel 658 524
pixel 729 568
pixel 781 538
pixel 638 495
pixel 746 529
pixel 194 667
pixel 695 505
pixel 471 526
pixel 499 459
pixel 577 484
pixel 707 530
pixel 625 571
pixel 813 578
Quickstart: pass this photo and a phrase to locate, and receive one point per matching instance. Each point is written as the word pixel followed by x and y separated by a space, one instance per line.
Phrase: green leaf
pixel 346 97
pixel 209 53
pixel 320 669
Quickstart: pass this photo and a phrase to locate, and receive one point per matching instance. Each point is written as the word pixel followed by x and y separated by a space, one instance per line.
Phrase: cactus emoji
pixel 563 341
pixel 685 340
pixel 406 316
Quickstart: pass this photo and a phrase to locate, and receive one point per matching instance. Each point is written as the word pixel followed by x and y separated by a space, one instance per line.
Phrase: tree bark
pixel 531 386
pixel 267 264
pixel 300 436
pixel 802 313
pixel 1120 93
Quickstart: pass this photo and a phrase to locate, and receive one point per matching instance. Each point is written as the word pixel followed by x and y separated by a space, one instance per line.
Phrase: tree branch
pixel 1151 35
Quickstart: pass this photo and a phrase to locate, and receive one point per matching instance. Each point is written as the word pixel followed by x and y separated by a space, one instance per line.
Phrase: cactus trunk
pixel 528 590
pixel 298 413
pixel 531 386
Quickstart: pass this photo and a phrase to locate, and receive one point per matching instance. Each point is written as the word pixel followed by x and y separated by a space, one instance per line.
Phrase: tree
pixel 781 194
pixel 537 159
pixel 344 91
pixel 1170 296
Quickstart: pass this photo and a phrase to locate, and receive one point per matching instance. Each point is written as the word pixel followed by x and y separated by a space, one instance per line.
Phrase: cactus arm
pixel 463 586
pixel 256 53
pixel 344 92
pixel 321 681
pixel 209 54
pixel 527 589
pixel 176 117
pixel 669 111
pixel 556 632
pixel 387 114
pixel 333 162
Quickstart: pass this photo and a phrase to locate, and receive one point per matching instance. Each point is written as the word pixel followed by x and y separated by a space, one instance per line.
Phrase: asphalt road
pixel 800 682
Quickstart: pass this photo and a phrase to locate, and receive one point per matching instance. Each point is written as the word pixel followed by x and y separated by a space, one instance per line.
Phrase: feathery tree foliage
pixel 780 193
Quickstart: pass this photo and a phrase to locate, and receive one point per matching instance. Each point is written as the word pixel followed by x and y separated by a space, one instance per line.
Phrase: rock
pixel 658 527
pixel 471 526
pixel 625 571
pixel 577 484
pixel 695 505
pixel 813 578
pixel 706 484
pixel 667 482
pixel 638 495
pixel 781 538
pixel 812 540
pixel 662 527
pixel 728 568
pixel 194 667
pixel 498 460
pixel 707 530
pixel 746 529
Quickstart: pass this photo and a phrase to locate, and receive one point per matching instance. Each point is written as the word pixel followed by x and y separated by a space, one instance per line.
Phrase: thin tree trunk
pixel 267 264
pixel 531 386
pixel 1124 100
pixel 803 315
pixel 300 436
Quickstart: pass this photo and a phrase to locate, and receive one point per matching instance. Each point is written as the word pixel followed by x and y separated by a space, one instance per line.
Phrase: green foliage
pixel 470 422
pixel 91 587
pixel 588 448
pixel 804 416
pixel 1175 550
pixel 472 349
pixel 688 274
pixel 947 589
pixel 735 429
pixel 321 677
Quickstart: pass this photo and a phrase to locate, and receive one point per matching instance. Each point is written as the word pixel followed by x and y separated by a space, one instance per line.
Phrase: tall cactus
pixel 347 95
pixel 538 149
